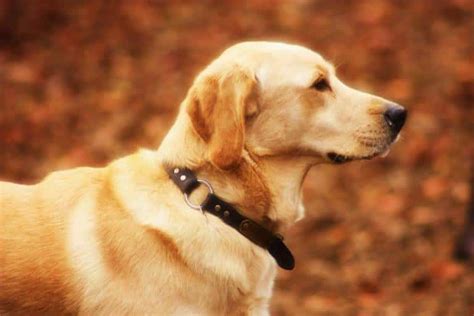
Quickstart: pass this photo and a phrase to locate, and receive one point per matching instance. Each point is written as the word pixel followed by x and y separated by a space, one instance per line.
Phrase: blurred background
pixel 84 82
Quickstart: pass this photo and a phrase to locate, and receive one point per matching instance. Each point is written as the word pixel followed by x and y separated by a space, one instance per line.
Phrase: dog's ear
pixel 218 104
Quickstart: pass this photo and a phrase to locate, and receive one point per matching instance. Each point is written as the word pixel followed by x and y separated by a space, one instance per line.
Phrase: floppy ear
pixel 217 107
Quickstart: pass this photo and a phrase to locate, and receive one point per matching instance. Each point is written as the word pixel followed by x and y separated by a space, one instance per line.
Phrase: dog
pixel 122 240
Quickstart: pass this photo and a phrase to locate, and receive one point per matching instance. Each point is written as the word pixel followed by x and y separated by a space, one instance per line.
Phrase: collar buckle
pixel 198 206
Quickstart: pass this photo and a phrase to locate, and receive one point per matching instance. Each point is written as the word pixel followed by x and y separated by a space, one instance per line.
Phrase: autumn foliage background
pixel 84 82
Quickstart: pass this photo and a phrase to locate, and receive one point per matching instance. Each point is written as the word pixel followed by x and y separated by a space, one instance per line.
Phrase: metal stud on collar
pixel 196 206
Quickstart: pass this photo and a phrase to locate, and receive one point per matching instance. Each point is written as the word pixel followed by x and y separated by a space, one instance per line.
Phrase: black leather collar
pixel 186 181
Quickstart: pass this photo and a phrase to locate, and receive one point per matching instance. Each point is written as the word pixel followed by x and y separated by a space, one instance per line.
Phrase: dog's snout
pixel 395 117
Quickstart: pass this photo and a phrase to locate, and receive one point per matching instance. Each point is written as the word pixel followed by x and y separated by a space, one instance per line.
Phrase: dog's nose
pixel 395 117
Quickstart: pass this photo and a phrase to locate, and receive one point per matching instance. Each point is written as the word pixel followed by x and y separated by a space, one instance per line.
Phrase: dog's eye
pixel 321 84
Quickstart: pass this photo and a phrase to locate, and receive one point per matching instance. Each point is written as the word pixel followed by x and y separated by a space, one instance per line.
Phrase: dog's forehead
pixel 274 49
pixel 277 63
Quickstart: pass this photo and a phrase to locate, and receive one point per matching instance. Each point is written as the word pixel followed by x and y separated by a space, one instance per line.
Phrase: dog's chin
pixel 339 158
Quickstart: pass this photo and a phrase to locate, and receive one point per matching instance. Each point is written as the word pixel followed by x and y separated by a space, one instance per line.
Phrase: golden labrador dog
pixel 122 240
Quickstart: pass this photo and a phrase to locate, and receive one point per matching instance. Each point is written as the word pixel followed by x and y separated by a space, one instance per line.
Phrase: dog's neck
pixel 266 189
pixel 284 176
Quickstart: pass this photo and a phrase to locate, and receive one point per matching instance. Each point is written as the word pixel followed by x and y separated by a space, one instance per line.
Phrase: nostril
pixel 395 117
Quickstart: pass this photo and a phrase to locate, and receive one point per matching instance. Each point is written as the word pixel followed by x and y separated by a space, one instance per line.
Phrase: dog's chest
pixel 172 295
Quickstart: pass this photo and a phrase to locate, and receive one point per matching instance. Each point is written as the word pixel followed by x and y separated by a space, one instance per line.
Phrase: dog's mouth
pixel 339 158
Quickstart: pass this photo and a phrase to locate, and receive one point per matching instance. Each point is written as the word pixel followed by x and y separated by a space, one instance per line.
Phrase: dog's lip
pixel 339 158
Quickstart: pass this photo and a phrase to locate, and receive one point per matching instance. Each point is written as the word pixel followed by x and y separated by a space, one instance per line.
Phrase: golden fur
pixel 120 240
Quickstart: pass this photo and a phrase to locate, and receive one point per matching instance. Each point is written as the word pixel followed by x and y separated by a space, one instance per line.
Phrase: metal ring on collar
pixel 196 206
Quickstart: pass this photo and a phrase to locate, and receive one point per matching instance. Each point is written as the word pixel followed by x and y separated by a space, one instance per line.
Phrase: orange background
pixel 84 82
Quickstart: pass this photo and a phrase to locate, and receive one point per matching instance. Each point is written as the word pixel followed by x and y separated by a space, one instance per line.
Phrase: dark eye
pixel 321 85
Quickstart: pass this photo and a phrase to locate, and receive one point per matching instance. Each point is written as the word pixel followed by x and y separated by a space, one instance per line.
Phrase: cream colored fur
pixel 120 240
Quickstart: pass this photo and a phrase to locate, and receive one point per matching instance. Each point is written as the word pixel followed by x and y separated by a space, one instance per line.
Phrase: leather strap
pixel 186 181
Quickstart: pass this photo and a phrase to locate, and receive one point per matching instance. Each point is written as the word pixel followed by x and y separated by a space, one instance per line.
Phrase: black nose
pixel 395 117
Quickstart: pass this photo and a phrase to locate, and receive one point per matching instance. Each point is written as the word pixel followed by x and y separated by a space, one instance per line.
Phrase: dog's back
pixel 34 220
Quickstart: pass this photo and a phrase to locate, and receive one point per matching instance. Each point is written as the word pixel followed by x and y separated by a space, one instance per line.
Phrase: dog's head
pixel 279 99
